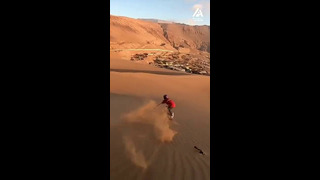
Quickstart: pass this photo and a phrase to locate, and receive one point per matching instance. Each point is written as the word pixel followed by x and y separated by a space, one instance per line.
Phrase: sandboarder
pixel 170 105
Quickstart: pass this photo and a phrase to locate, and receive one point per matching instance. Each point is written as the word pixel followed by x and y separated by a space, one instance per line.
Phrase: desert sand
pixel 144 143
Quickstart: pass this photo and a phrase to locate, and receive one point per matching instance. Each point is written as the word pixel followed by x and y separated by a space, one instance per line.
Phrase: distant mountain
pixel 157 21
pixel 153 33
pixel 185 36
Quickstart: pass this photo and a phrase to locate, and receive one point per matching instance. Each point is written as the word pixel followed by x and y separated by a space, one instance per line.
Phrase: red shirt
pixel 169 102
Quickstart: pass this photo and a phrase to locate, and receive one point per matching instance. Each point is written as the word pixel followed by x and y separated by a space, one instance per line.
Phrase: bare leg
pixel 170 112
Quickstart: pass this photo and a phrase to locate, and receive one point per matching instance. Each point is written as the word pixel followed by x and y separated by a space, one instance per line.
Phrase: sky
pixel 192 12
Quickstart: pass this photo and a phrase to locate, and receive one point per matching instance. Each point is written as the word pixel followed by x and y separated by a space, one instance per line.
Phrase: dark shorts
pixel 170 110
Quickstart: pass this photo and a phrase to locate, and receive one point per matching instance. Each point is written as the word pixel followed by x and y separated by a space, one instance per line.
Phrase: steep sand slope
pixel 144 143
pixel 132 33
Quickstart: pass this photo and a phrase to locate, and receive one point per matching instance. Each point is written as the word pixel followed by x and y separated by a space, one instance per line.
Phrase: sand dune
pixel 144 144
pixel 132 33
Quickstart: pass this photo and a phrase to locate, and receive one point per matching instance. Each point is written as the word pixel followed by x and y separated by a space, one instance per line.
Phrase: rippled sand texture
pixel 144 144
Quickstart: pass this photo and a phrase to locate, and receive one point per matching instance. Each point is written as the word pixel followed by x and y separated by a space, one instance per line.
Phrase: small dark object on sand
pixel 200 151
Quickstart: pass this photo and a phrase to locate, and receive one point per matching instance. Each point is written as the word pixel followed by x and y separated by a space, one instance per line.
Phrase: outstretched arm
pixel 157 105
pixel 162 102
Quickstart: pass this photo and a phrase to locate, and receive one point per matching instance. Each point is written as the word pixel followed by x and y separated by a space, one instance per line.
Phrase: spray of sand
pixel 153 122
pixel 136 157
pixel 157 118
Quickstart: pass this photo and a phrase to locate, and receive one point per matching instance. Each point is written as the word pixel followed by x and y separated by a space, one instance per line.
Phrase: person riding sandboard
pixel 170 105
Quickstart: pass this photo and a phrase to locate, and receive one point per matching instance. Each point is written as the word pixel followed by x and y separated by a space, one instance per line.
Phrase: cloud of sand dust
pixel 135 156
pixel 158 118
pixel 157 125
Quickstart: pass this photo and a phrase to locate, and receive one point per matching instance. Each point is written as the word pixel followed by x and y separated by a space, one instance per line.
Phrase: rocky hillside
pixel 184 36
pixel 134 33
